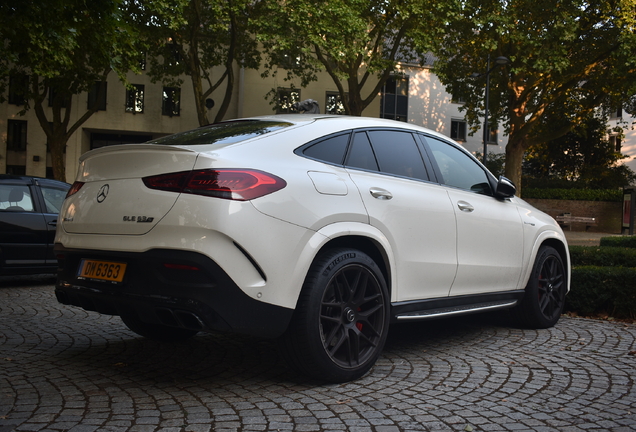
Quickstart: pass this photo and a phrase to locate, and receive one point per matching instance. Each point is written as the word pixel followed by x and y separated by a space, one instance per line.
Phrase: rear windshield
pixel 222 133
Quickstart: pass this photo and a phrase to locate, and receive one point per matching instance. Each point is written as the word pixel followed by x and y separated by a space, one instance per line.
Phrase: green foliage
pixel 606 256
pixel 192 37
pixel 358 42
pixel 611 195
pixel 620 241
pixel 584 157
pixel 603 290
pixel 496 163
pixel 566 59
pixel 64 47
pixel 604 278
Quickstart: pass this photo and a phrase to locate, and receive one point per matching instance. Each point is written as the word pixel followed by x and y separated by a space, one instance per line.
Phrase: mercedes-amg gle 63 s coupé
pixel 318 230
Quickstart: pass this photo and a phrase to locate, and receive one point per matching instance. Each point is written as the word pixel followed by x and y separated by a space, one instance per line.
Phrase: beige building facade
pixel 149 110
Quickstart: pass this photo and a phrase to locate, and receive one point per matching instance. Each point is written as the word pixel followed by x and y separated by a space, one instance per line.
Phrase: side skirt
pixel 450 306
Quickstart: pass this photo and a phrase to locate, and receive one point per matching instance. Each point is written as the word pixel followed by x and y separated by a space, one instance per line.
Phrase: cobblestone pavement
pixel 64 369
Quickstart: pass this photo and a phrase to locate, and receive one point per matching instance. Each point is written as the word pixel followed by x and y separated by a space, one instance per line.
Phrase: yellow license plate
pixel 102 270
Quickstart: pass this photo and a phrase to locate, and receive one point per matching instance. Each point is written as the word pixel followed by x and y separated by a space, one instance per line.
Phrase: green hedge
pixel 597 290
pixel 574 194
pixel 603 256
pixel 619 241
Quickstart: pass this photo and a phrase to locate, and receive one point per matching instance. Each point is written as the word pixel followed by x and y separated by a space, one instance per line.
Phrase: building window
pixel 52 95
pixel 97 97
pixel 394 99
pixel 18 87
pixel 333 104
pixel 616 143
pixel 135 99
pixel 285 100
pixel 16 169
pixel 617 112
pixel 171 105
pixel 289 62
pixel 458 130
pixel 492 136
pixel 142 61
pixel 458 100
pixel 16 135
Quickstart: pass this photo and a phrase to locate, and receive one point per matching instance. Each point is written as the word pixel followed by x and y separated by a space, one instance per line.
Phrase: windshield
pixel 222 133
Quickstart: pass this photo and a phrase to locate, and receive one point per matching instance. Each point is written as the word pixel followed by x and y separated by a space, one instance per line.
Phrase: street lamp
pixel 499 61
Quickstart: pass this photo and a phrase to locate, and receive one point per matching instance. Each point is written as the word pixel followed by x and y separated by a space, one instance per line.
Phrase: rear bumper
pixel 204 300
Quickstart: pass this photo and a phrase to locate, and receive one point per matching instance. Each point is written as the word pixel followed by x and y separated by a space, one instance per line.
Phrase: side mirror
pixel 505 188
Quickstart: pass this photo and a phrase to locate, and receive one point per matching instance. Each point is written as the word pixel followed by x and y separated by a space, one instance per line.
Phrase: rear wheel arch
pixel 367 245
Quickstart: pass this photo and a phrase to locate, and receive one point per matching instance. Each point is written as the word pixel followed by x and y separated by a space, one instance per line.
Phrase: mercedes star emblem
pixel 103 193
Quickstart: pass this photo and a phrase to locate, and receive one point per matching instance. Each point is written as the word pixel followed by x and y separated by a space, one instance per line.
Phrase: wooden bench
pixel 567 219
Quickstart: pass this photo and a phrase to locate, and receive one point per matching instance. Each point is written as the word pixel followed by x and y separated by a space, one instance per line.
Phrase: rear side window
pixel 222 133
pixel 397 153
pixel 331 150
pixel 361 154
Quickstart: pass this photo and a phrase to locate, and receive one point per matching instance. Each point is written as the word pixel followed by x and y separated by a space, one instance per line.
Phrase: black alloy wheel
pixel 352 316
pixel 342 318
pixel 544 299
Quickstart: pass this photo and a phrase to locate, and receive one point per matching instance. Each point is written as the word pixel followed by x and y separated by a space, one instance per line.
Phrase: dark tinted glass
pixel 330 150
pixel 222 133
pixel 458 169
pixel 397 153
pixel 361 154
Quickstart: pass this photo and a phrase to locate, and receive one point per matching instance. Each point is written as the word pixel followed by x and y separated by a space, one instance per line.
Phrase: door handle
pixel 465 207
pixel 53 223
pixel 380 194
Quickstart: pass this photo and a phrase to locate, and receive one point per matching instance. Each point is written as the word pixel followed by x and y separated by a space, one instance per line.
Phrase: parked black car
pixel 28 215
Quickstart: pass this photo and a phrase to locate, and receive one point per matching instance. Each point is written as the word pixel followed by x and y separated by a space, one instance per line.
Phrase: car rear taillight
pixel 232 184
pixel 75 187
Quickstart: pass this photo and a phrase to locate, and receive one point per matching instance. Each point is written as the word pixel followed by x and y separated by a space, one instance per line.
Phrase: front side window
pixel 171 101
pixel 16 135
pixel 457 169
pixel 135 99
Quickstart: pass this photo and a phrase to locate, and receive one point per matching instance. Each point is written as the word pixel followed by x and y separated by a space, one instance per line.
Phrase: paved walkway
pixel 64 369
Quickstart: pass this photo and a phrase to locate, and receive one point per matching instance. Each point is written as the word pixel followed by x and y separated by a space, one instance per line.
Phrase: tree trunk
pixel 514 159
pixel 57 144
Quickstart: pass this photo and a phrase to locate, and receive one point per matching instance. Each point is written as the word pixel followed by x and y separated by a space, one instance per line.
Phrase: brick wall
pixel 607 214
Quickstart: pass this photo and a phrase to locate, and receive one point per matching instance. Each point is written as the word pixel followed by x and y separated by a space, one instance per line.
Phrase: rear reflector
pixel 232 184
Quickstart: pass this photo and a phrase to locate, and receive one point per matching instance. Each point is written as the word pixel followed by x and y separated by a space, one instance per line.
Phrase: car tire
pixel 157 332
pixel 544 299
pixel 342 318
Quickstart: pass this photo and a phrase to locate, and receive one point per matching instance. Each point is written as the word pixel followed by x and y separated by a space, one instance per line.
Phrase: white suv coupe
pixel 320 230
